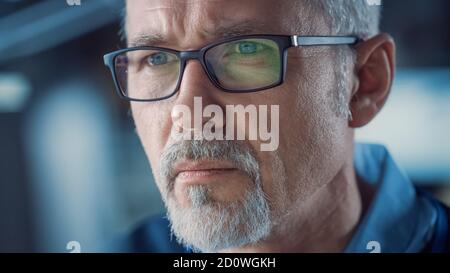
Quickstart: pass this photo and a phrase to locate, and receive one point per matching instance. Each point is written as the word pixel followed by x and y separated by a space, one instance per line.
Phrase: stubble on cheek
pixel 313 125
pixel 152 125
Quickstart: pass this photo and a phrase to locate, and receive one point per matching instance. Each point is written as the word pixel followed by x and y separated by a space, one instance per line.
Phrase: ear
pixel 375 67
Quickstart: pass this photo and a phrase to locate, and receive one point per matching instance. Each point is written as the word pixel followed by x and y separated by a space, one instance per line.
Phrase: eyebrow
pixel 145 39
pixel 220 32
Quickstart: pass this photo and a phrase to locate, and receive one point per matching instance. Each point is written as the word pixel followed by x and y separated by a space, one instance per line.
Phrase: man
pixel 328 71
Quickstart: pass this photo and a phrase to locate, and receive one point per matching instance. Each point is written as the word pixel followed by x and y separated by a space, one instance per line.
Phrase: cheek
pixel 312 136
pixel 153 125
pixel 275 181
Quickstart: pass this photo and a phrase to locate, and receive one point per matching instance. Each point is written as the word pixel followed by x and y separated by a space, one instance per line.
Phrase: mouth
pixel 202 172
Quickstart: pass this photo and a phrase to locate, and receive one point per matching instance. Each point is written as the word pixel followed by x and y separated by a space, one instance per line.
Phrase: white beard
pixel 209 226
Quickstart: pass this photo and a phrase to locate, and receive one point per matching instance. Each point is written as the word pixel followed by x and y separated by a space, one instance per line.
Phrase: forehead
pixel 189 21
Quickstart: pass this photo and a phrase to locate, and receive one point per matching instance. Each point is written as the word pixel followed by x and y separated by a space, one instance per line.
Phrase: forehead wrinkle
pixel 146 35
pixel 240 28
pixel 214 25
pixel 220 31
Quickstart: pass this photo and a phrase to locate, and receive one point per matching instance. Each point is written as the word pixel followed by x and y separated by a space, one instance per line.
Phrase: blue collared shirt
pixel 399 218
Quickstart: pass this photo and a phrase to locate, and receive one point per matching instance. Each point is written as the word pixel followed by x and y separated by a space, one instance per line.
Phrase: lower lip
pixel 202 176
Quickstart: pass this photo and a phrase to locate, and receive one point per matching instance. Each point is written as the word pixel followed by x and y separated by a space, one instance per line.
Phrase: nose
pixel 196 92
pixel 195 81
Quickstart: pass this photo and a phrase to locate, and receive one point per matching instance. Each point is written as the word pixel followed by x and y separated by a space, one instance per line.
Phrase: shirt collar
pixel 397 220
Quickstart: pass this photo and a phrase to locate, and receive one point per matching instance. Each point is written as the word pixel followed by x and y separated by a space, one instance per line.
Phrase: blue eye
pixel 247 48
pixel 159 58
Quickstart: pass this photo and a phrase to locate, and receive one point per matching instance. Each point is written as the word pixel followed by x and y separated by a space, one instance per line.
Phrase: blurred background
pixel 71 165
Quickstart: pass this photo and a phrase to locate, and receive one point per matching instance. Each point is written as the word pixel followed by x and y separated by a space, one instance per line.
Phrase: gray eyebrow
pixel 220 32
pixel 145 39
pixel 241 28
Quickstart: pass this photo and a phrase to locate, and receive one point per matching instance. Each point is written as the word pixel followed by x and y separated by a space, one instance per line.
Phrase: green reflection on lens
pixel 251 63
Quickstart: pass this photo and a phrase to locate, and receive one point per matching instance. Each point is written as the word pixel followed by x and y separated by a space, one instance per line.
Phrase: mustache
pixel 242 156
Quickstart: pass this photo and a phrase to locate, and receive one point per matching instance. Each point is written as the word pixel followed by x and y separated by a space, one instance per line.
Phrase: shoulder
pixel 440 241
pixel 153 235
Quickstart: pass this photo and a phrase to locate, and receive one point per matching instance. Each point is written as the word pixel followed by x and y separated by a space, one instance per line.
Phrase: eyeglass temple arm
pixel 323 40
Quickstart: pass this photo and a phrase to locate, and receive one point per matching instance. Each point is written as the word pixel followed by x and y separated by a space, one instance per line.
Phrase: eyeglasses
pixel 240 64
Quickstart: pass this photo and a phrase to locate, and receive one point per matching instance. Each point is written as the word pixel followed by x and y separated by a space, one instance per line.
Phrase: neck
pixel 323 223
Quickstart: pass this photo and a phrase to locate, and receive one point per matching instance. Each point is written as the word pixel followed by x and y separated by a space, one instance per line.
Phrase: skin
pixel 310 182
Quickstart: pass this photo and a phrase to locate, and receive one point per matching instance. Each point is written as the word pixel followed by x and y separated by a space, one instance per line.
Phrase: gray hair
pixel 352 17
pixel 359 18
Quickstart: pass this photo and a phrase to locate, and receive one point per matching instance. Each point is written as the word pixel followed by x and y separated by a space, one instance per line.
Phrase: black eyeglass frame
pixel 284 42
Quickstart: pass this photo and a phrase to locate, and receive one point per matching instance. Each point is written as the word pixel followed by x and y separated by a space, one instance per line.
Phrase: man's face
pixel 214 200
